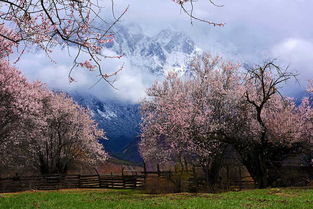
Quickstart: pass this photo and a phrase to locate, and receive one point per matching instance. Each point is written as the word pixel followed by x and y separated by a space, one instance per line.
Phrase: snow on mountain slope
pixel 166 51
pixel 119 121
pixel 157 54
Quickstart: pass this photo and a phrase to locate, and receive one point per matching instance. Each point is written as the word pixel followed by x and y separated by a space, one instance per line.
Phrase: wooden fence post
pixel 144 168
pixel 135 182
pixel 195 178
pixel 123 178
pixel 112 183
pixel 227 176
pixel 79 185
pixel 240 184
pixel 144 173
pixel 158 169
pixel 99 179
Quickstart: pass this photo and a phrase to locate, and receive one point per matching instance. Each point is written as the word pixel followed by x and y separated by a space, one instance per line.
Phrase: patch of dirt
pixel 282 201
pixel 258 200
pixel 175 196
pixel 281 194
pixel 82 190
pixel 247 206
pixel 191 195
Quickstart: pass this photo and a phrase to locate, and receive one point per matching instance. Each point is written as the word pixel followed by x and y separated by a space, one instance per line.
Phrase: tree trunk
pixel 212 170
pixel 256 165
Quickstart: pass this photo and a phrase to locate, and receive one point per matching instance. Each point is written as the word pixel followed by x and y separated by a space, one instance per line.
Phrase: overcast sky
pixel 254 31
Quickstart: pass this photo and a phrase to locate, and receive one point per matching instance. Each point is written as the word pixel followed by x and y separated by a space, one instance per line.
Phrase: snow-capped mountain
pixel 167 50
pixel 119 121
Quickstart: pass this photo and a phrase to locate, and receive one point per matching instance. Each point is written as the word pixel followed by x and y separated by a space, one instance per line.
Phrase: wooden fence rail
pixel 193 180
pixel 22 183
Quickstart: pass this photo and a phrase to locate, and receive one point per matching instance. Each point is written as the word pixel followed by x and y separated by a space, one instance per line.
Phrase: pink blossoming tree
pixel 39 128
pixel 19 104
pixel 67 136
pixel 182 116
pixel 220 105
pixel 44 130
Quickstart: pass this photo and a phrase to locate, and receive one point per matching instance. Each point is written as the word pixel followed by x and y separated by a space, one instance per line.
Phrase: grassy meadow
pixel 96 199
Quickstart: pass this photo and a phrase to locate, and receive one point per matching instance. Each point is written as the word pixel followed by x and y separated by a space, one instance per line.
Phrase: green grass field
pixel 90 199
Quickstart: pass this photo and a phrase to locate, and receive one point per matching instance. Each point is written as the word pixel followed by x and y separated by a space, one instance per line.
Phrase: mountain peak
pixel 153 53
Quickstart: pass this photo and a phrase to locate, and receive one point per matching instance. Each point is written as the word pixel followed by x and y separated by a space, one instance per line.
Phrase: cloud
pixel 294 49
pixel 255 31
pixel 298 54
pixel 129 86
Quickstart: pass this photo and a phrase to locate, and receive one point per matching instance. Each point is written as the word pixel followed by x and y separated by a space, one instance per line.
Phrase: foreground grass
pixel 94 199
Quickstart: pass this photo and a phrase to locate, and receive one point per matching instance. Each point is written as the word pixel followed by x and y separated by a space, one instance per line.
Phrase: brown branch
pixel 190 14
pixel 10 39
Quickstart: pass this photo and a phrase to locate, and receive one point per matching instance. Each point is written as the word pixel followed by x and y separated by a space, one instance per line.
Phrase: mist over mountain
pixel 156 55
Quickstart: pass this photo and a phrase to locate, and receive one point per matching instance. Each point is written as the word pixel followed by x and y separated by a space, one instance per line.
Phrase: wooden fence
pixel 189 181
pixel 51 182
